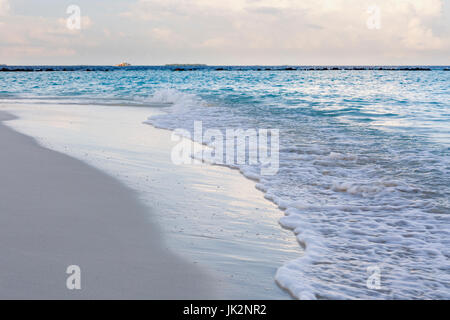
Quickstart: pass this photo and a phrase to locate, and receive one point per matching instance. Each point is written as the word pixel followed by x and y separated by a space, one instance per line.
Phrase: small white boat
pixel 123 64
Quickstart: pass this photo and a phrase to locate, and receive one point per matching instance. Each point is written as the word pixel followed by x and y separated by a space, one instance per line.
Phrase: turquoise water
pixel 364 174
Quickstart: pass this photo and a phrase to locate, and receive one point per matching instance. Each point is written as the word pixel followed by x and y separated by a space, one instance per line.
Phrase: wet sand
pixel 56 211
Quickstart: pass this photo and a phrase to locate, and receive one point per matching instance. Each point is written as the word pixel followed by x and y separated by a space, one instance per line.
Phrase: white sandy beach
pixel 57 211
pixel 225 235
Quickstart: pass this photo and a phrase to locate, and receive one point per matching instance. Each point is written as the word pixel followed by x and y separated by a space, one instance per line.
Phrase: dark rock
pixel 414 69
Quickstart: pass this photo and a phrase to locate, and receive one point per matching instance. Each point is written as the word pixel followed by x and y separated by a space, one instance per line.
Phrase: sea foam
pixel 348 203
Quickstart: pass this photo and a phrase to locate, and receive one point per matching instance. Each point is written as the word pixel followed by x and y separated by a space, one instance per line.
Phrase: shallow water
pixel 364 161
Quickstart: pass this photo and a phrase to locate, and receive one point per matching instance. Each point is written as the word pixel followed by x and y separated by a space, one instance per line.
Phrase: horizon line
pixel 226 65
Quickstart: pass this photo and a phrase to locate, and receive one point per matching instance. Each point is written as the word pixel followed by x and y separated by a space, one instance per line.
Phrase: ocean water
pixel 364 177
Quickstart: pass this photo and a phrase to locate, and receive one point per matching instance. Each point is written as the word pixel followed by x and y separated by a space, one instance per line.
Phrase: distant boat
pixel 123 64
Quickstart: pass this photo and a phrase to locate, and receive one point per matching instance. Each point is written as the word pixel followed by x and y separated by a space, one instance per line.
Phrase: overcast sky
pixel 236 32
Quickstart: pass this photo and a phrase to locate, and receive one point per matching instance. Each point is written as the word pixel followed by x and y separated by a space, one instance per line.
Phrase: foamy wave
pixel 179 100
pixel 352 203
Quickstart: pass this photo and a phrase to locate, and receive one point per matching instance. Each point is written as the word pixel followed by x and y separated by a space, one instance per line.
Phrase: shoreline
pixel 212 216
pixel 58 211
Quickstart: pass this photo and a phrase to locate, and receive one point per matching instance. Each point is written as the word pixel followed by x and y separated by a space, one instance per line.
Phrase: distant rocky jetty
pixel 310 69
pixel 51 69
pixel 198 67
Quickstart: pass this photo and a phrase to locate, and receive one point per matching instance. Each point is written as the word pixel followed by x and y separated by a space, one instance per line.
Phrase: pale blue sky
pixel 151 32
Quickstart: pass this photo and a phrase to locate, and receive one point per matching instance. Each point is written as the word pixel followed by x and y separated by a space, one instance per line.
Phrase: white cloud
pixel 167 37
pixel 40 37
pixel 308 26
pixel 4 7
pixel 241 32
pixel 419 37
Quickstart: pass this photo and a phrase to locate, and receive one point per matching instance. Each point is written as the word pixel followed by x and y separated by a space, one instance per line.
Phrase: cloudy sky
pixel 237 32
